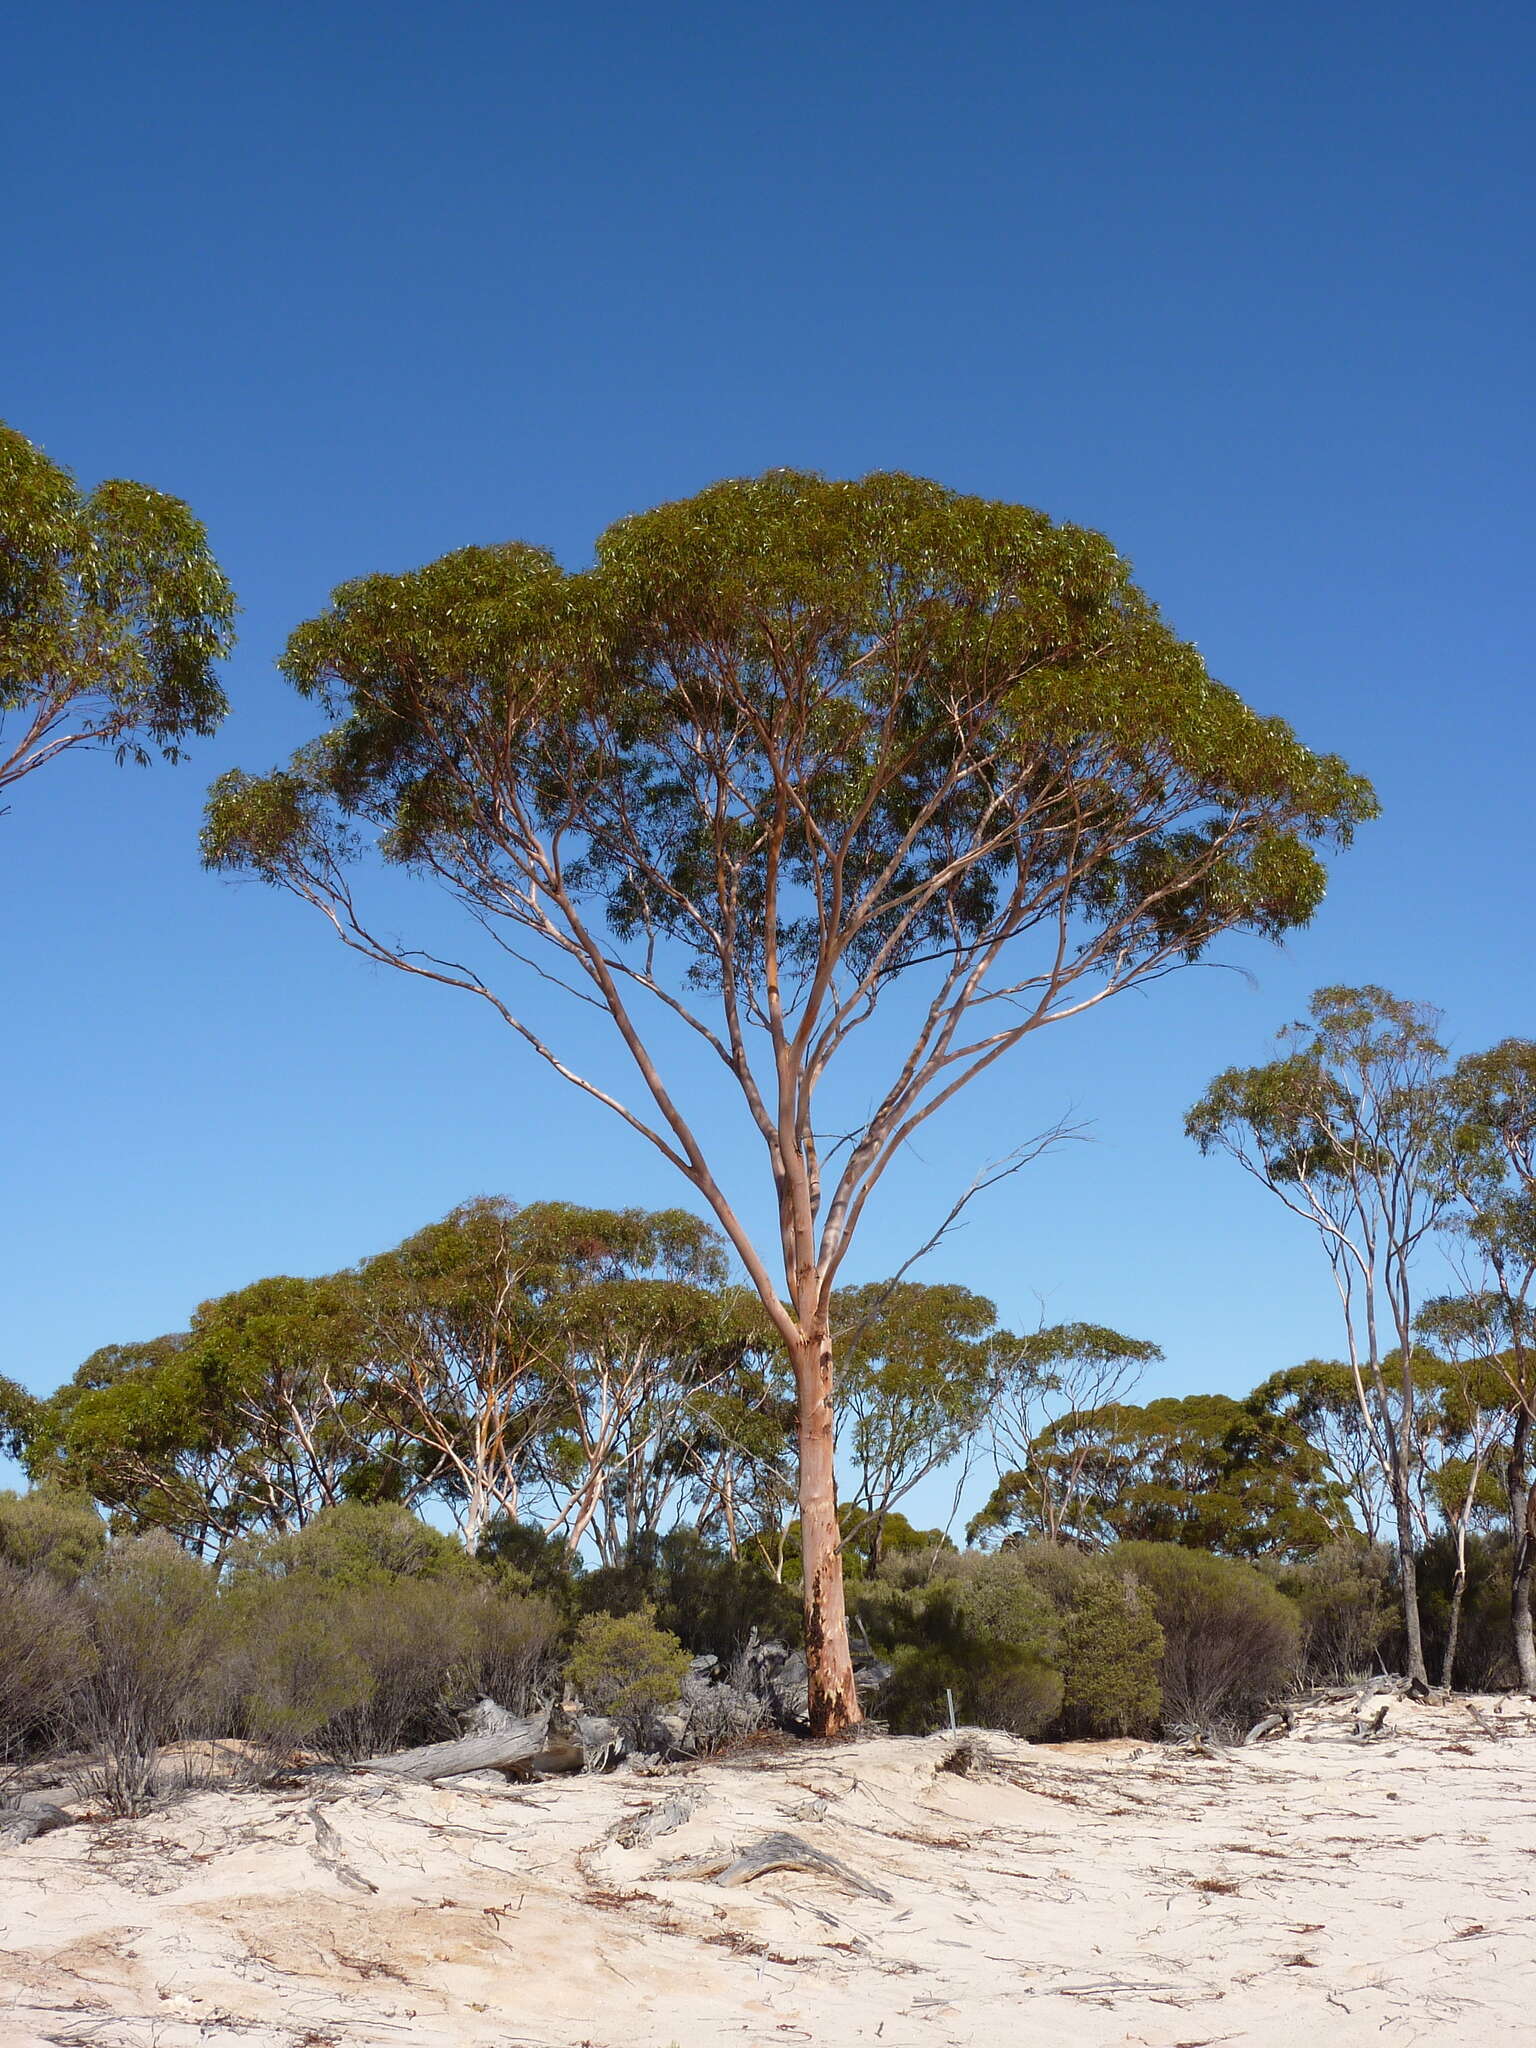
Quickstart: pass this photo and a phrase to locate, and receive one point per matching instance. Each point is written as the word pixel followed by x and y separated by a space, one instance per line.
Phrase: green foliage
pixel 709 1600
pixel 45 1659
pixel 291 1665
pixel 366 1629
pixel 152 1623
pixel 356 1544
pixel 627 1667
pixel 18 1411
pixel 1484 1654
pixel 113 613
pixel 1111 1653
pixel 50 1530
pixel 915 1364
pixel 972 1626
pixel 591 683
pixel 355 1665
pixel 1344 1595
pixel 1204 1470
pixel 1230 1641
pixel 525 1558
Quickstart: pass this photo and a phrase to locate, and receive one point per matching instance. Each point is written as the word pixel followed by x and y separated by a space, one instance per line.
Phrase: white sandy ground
pixel 1309 1891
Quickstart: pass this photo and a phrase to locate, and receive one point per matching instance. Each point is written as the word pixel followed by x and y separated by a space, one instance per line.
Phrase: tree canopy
pixel 783 745
pixel 113 613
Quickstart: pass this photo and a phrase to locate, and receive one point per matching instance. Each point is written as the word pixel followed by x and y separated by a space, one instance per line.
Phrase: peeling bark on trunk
pixel 834 1700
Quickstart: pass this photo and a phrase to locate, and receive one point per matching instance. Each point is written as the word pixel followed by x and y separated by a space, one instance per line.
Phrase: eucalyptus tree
pixel 139 1429
pixel 1204 1471
pixel 1349 1129
pixel 917 1365
pixel 1469 1420
pixel 1321 1398
pixel 248 1422
pixel 1046 1389
pixel 541 1361
pixel 458 1381
pixel 113 613
pixel 791 756
pixel 1493 1153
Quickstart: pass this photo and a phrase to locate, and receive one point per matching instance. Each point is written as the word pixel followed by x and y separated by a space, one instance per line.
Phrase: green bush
pixel 625 1666
pixel 1230 1641
pixel 53 1531
pixel 352 1670
pixel 1111 1656
pixel 1347 1603
pixel 153 1624
pixel 291 1666
pixel 965 1625
pixel 516 1650
pixel 709 1600
pixel 45 1659
pixel 524 1559
pixel 359 1543
pixel 1485 1659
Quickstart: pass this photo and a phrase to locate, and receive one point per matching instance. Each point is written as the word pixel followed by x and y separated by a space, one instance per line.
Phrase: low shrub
pixel 1347 1603
pixel 1111 1656
pixel 708 1599
pixel 353 1670
pixel 625 1666
pixel 53 1531
pixel 1230 1640
pixel 1485 1658
pixel 967 1627
pixel 357 1543
pixel 523 1558
pixel 517 1650
pixel 152 1622
pixel 45 1659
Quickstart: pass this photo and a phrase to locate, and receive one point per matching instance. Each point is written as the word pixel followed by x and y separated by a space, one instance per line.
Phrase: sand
pixel 1313 1890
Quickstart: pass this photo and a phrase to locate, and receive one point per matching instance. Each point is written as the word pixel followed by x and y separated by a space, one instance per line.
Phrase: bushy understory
pixel 367 1630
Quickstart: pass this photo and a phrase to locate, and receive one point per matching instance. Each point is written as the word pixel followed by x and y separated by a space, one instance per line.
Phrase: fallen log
pixel 31 1817
pixel 501 1749
pixel 1272 1724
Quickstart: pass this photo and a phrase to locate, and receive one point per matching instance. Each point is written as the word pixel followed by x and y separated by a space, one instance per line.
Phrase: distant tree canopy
pixel 113 613
pixel 1204 1471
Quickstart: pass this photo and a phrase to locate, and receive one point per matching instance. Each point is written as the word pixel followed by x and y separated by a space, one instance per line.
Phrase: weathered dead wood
pixel 773 1852
pixel 498 1750
pixel 1280 1723
pixel 1367 1730
pixel 31 1817
pixel 658 1819
pixel 326 1850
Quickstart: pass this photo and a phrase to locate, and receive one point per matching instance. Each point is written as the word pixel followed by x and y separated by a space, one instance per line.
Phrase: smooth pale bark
pixel 1453 1624
pixel 1408 1573
pixel 1522 1530
pixel 834 1699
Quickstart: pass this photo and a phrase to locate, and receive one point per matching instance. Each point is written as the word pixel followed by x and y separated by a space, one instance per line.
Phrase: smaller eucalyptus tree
pixel 1493 1162
pixel 918 1367
pixel 1349 1129
pixel 1046 1389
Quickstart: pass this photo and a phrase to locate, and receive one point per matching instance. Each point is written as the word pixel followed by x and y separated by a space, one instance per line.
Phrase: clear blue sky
pixel 1249 287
